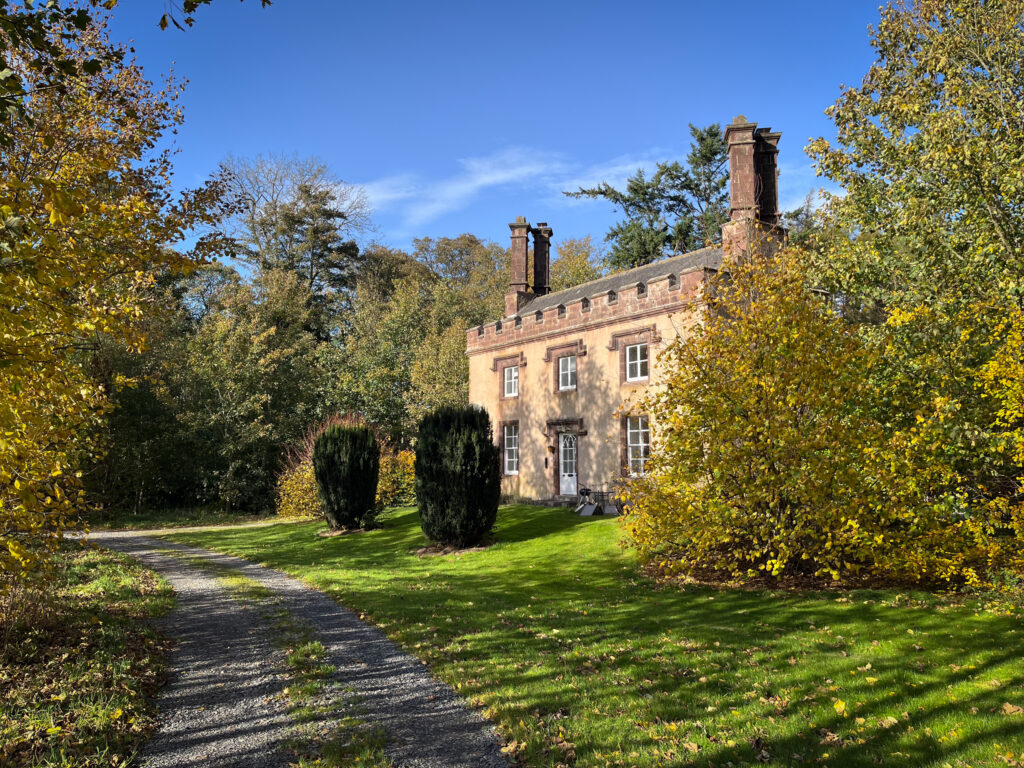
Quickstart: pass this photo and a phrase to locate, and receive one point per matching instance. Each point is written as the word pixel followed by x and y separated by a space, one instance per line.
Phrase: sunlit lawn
pixel 580 659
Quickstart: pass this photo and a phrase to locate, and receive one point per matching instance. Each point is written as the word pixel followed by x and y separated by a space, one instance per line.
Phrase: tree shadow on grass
pixel 556 624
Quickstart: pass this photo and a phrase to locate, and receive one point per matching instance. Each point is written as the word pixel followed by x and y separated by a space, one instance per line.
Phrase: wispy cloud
pixel 513 166
pixel 419 201
pixel 614 172
pixel 384 193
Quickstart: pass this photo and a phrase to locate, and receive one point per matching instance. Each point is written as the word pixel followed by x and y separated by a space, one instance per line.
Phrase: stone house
pixel 560 374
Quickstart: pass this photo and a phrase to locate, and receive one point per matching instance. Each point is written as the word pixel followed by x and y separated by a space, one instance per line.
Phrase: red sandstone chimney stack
pixel 518 286
pixel 753 189
pixel 542 258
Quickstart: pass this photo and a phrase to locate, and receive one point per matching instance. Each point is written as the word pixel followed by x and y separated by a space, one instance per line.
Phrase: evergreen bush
pixel 346 462
pixel 457 475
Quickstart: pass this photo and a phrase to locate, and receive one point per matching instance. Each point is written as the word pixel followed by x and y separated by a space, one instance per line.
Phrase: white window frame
pixel 511 381
pixel 638 444
pixel 567 373
pixel 638 362
pixel 510 449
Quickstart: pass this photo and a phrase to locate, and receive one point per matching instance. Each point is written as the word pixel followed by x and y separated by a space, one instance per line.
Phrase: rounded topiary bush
pixel 457 475
pixel 346 463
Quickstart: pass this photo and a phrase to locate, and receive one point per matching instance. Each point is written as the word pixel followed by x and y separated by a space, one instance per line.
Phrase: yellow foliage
pixel 769 456
pixel 297 494
pixel 86 215
pixel 396 485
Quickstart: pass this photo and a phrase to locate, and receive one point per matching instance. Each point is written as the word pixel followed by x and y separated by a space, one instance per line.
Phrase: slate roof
pixel 710 257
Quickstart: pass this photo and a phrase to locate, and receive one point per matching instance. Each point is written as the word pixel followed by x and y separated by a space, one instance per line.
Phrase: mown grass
pixel 76 682
pixel 128 520
pixel 556 635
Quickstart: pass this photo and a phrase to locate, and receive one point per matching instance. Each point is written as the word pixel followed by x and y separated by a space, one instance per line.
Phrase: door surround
pixel 556 427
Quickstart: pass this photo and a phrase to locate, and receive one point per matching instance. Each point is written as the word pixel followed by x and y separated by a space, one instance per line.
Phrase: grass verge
pixel 329 729
pixel 556 635
pixel 76 681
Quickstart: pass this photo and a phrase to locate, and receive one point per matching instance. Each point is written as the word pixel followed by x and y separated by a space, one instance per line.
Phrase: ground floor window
pixel 638 443
pixel 511 442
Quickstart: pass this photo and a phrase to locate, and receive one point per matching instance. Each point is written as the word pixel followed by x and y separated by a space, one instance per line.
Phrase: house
pixel 560 373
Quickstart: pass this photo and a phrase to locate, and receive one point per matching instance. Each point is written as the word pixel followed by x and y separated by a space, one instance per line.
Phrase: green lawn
pixel 581 660
pixel 76 676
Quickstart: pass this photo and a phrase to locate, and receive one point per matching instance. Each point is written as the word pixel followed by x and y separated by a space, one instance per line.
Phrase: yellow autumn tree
pixel 86 218
pixel 928 237
pixel 760 434
pixel 772 455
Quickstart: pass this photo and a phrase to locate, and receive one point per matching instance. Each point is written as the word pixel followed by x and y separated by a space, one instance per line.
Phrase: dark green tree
pixel 346 463
pixel 679 208
pixel 457 475
pixel 294 215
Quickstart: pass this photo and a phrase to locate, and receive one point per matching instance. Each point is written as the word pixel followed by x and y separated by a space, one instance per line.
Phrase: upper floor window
pixel 638 443
pixel 512 381
pixel 567 372
pixel 641 289
pixel 511 451
pixel 561 310
pixel 637 364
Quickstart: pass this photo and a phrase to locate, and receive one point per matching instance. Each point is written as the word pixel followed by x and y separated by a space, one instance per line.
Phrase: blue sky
pixel 459 116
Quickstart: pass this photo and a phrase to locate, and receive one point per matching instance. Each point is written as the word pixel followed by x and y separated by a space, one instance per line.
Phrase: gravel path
pixel 221 706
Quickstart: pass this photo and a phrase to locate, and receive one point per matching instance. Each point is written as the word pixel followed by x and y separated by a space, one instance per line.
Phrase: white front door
pixel 567 464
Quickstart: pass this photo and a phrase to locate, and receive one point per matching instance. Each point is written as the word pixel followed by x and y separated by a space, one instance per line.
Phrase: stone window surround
pixel 499 364
pixel 575 349
pixel 645 335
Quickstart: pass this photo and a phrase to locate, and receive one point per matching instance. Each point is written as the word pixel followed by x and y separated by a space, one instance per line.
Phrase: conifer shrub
pixel 346 463
pixel 296 492
pixel 457 475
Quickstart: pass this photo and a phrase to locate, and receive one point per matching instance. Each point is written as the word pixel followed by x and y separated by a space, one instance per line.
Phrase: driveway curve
pixel 222 705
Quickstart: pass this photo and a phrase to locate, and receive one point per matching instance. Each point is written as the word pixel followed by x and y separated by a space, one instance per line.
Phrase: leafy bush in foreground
pixel 457 475
pixel 346 463
pixel 297 494
pixel 770 458
pixel 397 483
